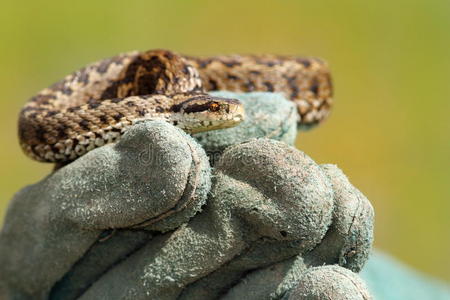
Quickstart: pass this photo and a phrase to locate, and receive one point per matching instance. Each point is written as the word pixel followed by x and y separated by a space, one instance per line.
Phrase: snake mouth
pixel 205 113
pixel 206 121
pixel 238 113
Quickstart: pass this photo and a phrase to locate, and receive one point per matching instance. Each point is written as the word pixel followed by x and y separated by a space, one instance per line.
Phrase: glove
pixel 148 218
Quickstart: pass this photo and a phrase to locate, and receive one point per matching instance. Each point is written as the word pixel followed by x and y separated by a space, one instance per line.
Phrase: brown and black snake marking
pixel 304 80
pixel 96 104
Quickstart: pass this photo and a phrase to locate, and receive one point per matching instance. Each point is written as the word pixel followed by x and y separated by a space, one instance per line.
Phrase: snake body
pixel 96 104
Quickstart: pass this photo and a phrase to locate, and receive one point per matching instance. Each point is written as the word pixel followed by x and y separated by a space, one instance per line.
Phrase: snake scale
pixel 96 104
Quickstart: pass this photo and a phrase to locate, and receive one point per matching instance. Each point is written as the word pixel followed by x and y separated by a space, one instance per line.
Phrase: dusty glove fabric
pixel 51 225
pixel 267 115
pixel 148 218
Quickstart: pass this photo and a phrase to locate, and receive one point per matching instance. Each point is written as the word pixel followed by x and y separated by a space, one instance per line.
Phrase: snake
pixel 96 104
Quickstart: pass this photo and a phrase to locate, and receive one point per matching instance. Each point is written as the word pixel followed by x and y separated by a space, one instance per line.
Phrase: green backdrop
pixel 389 130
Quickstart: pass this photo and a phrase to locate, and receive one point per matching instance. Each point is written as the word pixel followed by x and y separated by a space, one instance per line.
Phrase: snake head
pixel 204 112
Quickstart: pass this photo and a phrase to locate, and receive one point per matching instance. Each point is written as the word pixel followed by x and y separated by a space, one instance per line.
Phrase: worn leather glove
pixel 148 218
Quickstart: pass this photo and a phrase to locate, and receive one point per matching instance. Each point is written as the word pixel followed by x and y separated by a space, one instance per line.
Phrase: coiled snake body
pixel 96 104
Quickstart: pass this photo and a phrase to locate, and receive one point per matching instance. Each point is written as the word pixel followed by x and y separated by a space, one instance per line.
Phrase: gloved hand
pixel 148 218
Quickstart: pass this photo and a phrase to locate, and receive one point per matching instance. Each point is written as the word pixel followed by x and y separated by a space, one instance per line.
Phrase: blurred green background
pixel 389 130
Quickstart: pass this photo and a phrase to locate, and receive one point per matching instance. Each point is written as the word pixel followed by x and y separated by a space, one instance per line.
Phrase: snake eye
pixel 214 107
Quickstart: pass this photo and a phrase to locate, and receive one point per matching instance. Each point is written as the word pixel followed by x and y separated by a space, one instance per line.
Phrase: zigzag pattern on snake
pixel 96 104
